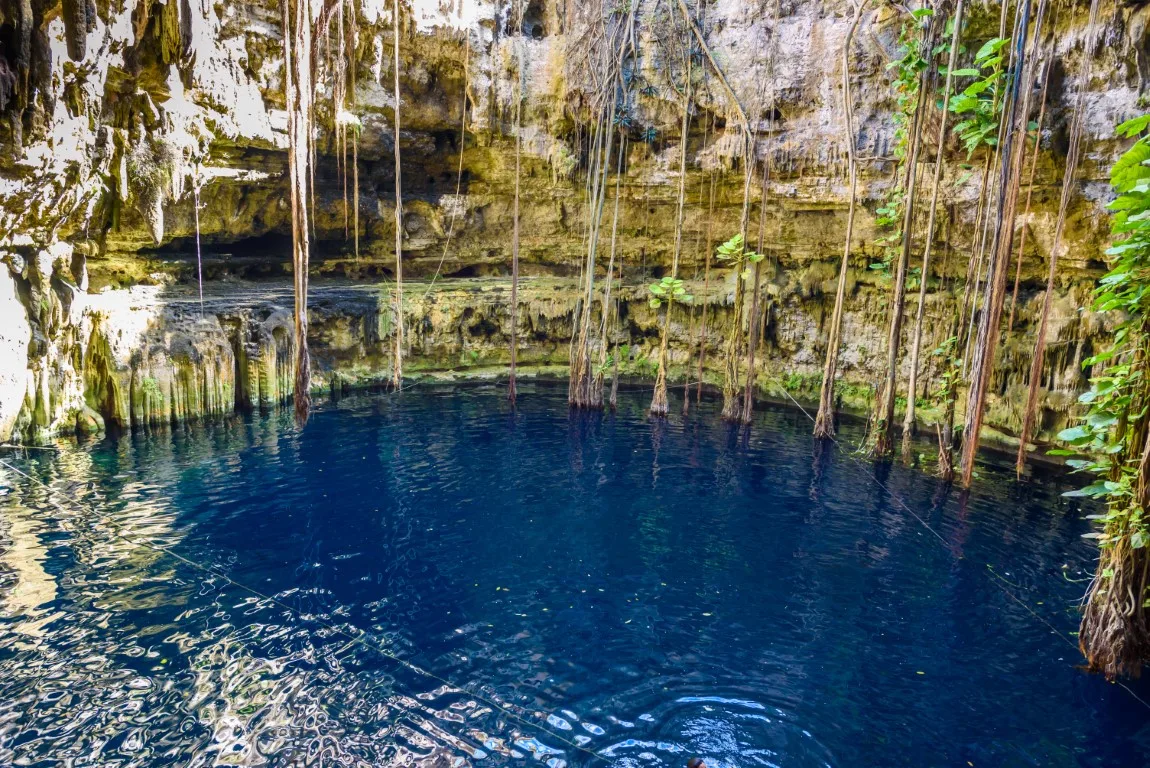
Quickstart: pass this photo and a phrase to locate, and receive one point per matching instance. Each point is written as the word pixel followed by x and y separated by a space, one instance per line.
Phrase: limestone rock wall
pixel 117 120
pixel 154 355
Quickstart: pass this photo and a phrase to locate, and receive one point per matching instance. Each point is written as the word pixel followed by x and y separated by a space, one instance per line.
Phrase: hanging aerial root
pixel 1115 632
pixel 945 454
pixel 825 418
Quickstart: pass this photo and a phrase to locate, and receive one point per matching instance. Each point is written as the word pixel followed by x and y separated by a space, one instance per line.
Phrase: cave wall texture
pixel 114 116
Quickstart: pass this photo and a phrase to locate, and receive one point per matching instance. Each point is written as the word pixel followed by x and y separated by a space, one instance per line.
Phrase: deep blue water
pixel 645 592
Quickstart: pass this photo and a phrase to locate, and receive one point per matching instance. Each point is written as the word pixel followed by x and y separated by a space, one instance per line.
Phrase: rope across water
pixel 359 637
pixel 996 579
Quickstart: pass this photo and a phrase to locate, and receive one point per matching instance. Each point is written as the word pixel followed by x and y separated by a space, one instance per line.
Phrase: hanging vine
pixel 1115 632
pixel 913 76
pixel 674 292
pixel 521 75
pixel 825 418
pixel 297 28
pixel 1012 152
pixel 397 368
pixel 936 185
pixel 1068 182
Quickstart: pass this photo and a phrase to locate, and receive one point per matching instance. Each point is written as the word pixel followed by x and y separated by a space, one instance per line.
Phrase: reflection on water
pixel 594 587
pixel 23 557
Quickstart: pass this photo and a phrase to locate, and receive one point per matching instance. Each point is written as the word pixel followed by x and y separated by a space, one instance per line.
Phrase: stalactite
pixel 75 15
pixel 196 211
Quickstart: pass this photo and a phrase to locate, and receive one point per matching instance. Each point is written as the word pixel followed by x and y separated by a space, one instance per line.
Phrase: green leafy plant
pixel 667 290
pixel 949 375
pixel 980 101
pixel 734 254
pixel 1114 432
pixel 1120 392
pixel 907 68
pixel 150 386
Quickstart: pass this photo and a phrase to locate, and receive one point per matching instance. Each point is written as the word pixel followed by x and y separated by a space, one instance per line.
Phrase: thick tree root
pixel 1115 632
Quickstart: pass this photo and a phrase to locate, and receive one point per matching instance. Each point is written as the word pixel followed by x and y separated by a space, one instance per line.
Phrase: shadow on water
pixel 597 587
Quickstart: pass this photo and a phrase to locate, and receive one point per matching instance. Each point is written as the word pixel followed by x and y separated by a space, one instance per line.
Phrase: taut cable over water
pixel 578 523
pixel 946 545
pixel 362 639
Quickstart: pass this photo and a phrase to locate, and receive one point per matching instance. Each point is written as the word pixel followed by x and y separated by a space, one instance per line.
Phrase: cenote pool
pixel 598 590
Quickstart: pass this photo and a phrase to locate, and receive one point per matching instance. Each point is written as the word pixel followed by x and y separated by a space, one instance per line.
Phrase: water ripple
pixel 591 584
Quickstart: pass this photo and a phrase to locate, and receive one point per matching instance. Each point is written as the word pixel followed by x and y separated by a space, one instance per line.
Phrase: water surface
pixel 535 585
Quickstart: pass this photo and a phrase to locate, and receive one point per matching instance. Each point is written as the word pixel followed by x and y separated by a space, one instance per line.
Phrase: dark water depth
pixel 585 589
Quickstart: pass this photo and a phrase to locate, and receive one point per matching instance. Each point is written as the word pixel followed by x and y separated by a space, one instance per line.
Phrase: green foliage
pixel 949 376
pixel 151 388
pixel 913 60
pixel 980 102
pixel 669 289
pixel 733 254
pixel 908 69
pixel 798 382
pixel 1113 430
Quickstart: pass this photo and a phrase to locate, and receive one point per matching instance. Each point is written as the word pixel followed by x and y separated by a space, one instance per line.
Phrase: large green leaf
pixel 990 47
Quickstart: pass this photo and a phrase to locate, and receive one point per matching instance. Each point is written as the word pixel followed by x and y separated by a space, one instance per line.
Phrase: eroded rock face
pixel 152 355
pixel 112 125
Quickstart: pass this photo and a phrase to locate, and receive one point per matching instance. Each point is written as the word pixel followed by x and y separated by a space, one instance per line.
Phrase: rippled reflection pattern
pixel 646 592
